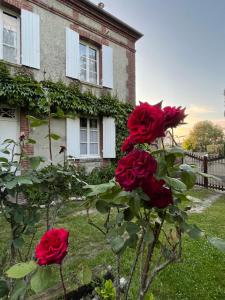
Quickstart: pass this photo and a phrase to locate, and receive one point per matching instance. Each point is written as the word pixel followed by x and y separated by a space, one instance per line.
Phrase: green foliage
pixel 20 270
pixel 84 275
pixel 41 279
pixel 24 92
pixel 216 149
pixel 4 288
pixel 204 133
pixel 107 292
pixel 218 243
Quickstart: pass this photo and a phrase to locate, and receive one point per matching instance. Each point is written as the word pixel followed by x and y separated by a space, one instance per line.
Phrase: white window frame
pixel 88 46
pixel 88 155
pixel 18 28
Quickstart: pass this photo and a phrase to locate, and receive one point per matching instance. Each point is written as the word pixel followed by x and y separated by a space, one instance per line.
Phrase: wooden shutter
pixel 30 34
pixel 1 34
pixel 107 66
pixel 72 54
pixel 109 138
pixel 73 137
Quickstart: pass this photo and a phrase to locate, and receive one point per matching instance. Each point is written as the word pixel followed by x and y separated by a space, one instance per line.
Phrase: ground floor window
pixel 89 137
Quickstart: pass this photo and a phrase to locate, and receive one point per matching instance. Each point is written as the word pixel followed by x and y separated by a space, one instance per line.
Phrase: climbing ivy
pixel 23 91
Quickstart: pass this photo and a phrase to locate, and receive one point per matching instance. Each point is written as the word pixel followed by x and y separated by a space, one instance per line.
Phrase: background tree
pixel 204 133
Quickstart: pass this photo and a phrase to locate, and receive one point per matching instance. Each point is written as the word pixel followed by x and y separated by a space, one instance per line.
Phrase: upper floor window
pixel 11 37
pixel 89 60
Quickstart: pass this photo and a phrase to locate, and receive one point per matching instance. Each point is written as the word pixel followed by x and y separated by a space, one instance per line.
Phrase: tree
pixel 204 133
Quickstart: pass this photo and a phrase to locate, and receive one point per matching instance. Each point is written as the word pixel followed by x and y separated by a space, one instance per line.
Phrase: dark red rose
pixel 22 136
pixel 159 195
pixel 146 123
pixel 134 168
pixel 173 116
pixel 62 149
pixel 52 247
pixel 128 144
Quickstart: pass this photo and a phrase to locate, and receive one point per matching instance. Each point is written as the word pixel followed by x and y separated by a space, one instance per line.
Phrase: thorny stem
pixel 138 252
pixel 118 277
pixel 62 280
pixel 96 226
pixel 29 248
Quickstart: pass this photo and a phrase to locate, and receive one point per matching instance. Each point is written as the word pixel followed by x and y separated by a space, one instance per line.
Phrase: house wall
pixel 55 16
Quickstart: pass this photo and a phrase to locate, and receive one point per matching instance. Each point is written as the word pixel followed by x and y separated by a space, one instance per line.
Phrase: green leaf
pixel 54 136
pixel 31 141
pixel 35 162
pixel 100 188
pixel 5 151
pixel 4 289
pixel 42 279
pixel 132 228
pixel 102 206
pixel 178 151
pixel 194 232
pixel 209 176
pixel 85 274
pixel 34 122
pixel 161 168
pixel 149 235
pixel 188 178
pixel 117 244
pixel 21 270
pixel 19 242
pixel 23 180
pixel 3 159
pixel 19 290
pixel 217 242
pixel 175 184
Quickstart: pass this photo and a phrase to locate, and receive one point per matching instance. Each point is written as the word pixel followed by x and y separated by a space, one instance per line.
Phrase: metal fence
pixel 212 165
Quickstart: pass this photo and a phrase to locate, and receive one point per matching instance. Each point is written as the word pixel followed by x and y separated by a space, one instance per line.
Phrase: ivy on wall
pixel 23 91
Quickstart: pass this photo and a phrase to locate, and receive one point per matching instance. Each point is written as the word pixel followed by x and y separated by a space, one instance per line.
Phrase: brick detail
pixel 75 15
pixel 19 4
pixel 28 148
pixel 89 36
pixel 131 81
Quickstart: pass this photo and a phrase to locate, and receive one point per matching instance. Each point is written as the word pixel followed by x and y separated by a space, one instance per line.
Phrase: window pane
pixel 83 136
pixel 92 53
pixel 94 149
pixel 93 66
pixel 93 77
pixel 9 54
pixel 83 122
pixel 83 63
pixel 83 149
pixel 9 37
pixel 83 75
pixel 82 50
pixel 93 136
pixel 93 123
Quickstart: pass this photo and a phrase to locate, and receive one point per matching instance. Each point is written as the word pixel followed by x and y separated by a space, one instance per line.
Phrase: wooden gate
pixel 212 165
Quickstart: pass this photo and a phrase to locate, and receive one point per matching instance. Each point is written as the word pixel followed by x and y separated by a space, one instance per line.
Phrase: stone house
pixel 72 41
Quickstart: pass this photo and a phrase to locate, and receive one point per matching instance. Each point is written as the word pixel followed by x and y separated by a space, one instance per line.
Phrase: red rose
pixel 134 168
pixel 128 144
pixel 52 247
pixel 160 196
pixel 173 116
pixel 146 123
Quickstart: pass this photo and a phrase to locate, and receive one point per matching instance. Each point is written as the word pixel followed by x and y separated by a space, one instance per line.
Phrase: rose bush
pixel 52 247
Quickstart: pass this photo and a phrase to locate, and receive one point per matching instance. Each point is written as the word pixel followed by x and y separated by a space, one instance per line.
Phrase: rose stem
pixel 63 285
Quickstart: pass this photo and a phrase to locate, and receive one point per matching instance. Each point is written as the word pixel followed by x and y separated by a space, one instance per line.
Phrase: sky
pixel 181 57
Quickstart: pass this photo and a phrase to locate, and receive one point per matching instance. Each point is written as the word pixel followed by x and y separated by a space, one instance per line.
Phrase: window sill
pixel 91 84
pixel 90 158
pixel 11 64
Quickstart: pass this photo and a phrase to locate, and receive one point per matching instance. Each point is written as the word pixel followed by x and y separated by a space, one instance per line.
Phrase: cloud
pixel 200 109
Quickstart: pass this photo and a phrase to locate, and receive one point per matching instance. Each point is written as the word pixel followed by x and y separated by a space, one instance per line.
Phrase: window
pixel 89 137
pixel 89 63
pixel 11 38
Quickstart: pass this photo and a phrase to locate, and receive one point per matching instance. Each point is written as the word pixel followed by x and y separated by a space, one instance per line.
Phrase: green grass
pixel 199 276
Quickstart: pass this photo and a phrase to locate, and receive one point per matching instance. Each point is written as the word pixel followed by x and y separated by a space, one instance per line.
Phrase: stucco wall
pixel 41 148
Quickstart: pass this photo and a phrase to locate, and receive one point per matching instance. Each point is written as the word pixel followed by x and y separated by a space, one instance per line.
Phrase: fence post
pixel 205 170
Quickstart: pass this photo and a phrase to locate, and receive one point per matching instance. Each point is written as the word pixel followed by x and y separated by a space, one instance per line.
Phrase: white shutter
pixel 1 34
pixel 107 66
pixel 72 54
pixel 30 33
pixel 109 138
pixel 73 137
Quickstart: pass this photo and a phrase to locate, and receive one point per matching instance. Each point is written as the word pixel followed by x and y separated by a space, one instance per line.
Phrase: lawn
pixel 200 275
